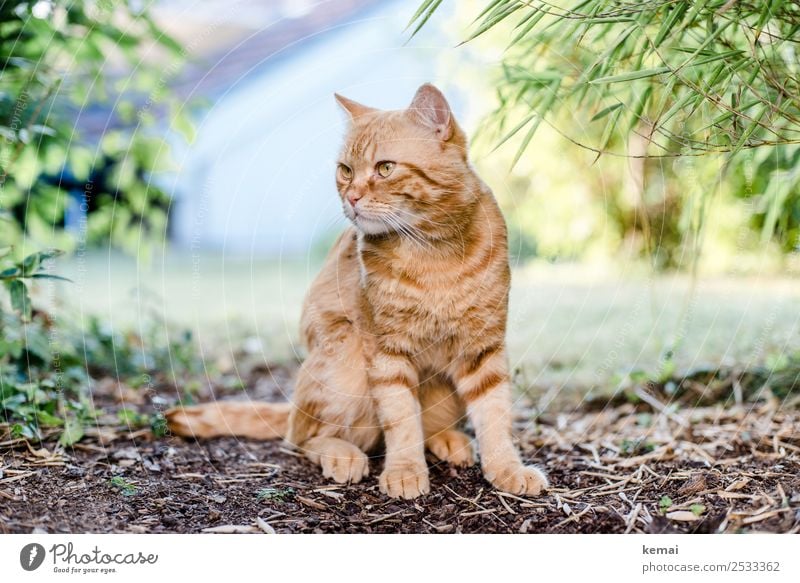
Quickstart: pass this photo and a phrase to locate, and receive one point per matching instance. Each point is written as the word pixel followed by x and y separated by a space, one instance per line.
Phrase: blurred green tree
pixel 73 64
pixel 672 86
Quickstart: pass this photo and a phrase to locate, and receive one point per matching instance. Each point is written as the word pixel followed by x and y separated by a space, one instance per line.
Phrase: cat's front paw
pixel 518 479
pixel 405 481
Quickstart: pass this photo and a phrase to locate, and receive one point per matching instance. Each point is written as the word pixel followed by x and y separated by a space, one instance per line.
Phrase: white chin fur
pixel 370 226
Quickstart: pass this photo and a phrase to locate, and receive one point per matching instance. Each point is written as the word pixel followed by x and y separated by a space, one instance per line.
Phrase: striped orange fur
pixel 405 324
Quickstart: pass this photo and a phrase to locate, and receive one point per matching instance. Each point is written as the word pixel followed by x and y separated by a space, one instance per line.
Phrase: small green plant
pixel 697 509
pixel 47 364
pixel 636 446
pixel 664 504
pixel 43 384
pixel 16 276
pixel 132 418
pixel 137 356
pixel 275 494
pixel 124 486
pixel 158 425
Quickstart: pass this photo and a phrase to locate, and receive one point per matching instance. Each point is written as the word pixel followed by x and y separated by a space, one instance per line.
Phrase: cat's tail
pixel 240 418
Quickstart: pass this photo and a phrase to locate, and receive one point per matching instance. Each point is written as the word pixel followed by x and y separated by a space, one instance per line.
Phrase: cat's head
pixel 404 171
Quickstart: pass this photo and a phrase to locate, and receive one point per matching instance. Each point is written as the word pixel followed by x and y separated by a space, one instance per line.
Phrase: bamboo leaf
pixel 645 73
pixel 492 20
pixel 679 105
pixel 729 114
pixel 709 39
pixel 604 112
pixel 603 59
pixel 515 130
pixel 697 7
pixel 607 20
pixel 546 106
pixel 640 105
pixel 608 132
pixel 769 8
pixel 428 7
pixel 669 23
pixel 525 141
pixel 631 76
pixel 422 8
pixel 754 125
pixel 489 8
pixel 529 22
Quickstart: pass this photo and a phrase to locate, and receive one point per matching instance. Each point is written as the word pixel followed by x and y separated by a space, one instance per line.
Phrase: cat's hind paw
pixel 452 446
pixel 345 467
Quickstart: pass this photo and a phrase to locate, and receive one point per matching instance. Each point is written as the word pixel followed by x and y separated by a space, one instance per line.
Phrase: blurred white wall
pixel 259 176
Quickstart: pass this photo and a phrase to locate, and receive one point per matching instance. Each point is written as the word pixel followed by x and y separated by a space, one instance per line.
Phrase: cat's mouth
pixel 368 224
pixel 369 221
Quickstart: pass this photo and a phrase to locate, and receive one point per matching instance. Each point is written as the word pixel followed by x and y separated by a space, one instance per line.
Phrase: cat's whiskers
pixel 418 216
pixel 454 225
pixel 332 221
pixel 404 228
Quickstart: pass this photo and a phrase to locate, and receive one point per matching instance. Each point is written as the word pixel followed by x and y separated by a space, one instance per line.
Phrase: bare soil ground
pixel 615 468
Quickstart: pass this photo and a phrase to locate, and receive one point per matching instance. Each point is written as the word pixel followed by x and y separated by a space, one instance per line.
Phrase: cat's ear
pixel 430 108
pixel 353 108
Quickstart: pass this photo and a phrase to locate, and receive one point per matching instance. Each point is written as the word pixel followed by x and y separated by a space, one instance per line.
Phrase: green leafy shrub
pixel 43 384
pixel 55 74
pixel 54 58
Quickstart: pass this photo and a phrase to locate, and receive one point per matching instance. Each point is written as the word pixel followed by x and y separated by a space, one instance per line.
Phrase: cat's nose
pixel 353 198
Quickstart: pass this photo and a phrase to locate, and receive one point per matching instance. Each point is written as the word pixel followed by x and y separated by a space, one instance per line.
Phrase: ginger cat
pixel 405 324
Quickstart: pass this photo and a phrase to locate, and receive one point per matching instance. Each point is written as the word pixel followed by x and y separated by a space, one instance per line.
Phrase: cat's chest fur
pixel 424 296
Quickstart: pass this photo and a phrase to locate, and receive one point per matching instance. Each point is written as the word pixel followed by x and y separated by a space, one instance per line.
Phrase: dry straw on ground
pixel 656 465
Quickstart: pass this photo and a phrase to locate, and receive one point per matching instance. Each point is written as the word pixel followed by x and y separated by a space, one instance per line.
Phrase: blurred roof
pixel 226 41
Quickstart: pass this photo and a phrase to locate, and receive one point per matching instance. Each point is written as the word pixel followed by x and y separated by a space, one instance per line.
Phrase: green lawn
pixel 579 330
pixel 567 326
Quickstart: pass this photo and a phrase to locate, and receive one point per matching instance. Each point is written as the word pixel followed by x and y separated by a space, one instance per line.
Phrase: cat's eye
pixel 345 172
pixel 385 168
